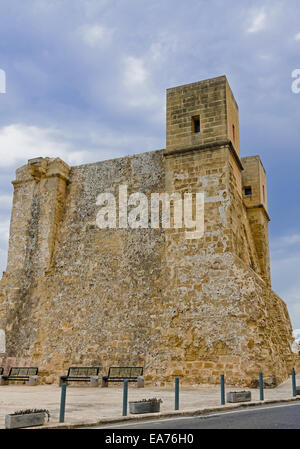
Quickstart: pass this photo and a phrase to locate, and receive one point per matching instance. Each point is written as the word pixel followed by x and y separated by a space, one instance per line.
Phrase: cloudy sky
pixel 86 81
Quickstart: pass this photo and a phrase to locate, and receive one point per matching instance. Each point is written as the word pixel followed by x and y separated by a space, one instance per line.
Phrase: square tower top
pixel 254 183
pixel 202 113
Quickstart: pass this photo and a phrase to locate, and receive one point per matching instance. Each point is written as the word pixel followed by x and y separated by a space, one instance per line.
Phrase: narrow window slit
pixel 196 124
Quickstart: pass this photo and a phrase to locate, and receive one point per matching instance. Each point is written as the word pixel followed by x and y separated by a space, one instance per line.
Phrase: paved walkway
pixel 87 405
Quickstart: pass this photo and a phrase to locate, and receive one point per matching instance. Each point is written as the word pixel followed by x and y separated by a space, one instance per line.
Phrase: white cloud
pixel 137 87
pixel 267 57
pixel 291 239
pixel 166 43
pixel 297 37
pixel 95 35
pixel 258 22
pixel 18 143
pixel 286 243
pixel 5 201
pixel 134 72
pixel 4 231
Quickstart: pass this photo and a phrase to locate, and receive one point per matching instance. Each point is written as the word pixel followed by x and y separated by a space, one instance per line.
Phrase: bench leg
pixel 32 381
pixel 140 382
pixel 94 381
pixel 104 383
pixel 2 381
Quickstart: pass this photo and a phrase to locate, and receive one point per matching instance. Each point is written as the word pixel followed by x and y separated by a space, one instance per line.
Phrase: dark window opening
pixel 196 124
pixel 233 133
pixel 248 191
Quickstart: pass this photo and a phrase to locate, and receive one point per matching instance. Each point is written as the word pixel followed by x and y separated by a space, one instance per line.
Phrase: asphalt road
pixel 265 417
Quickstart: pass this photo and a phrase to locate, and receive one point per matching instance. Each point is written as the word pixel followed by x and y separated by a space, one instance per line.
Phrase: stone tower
pixel 203 117
pixel 195 308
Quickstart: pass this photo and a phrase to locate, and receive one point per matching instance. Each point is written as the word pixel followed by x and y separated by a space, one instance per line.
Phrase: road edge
pixel 158 416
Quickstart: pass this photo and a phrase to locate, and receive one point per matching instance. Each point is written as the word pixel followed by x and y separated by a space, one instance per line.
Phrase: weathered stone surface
pixel 2 341
pixel 49 380
pixel 74 294
pixel 269 382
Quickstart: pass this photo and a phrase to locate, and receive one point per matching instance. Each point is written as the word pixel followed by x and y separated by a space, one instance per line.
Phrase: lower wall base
pixel 190 373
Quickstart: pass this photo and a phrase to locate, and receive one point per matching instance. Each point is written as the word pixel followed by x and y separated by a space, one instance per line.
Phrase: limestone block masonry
pixel 74 294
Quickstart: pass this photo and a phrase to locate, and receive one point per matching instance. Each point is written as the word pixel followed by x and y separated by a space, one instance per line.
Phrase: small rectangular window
pixel 248 191
pixel 196 124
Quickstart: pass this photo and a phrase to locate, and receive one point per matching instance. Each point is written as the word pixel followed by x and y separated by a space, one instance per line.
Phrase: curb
pixel 173 414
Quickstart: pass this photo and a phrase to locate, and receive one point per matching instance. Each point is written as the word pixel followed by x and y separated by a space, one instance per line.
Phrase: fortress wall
pixel 74 294
pixel 92 304
pixel 189 308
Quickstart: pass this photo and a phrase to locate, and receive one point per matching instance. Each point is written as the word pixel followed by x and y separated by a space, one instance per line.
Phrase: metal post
pixel 125 397
pixel 294 382
pixel 261 387
pixel 222 389
pixel 62 403
pixel 177 393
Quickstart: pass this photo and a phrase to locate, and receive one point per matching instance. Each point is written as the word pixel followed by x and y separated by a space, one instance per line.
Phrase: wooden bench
pixel 81 374
pixel 21 374
pixel 121 373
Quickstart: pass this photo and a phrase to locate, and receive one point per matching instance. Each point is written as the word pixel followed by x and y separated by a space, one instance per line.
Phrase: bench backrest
pixel 125 371
pixel 23 371
pixel 75 371
pixel 1 370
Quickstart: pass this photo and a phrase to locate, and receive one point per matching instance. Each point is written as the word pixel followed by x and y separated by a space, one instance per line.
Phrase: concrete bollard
pixel 222 389
pixel 125 397
pixel 294 386
pixel 176 393
pixel 62 403
pixel 261 387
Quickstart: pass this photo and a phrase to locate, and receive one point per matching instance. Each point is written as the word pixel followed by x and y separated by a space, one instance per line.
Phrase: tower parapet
pixel 40 189
pixel 255 199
